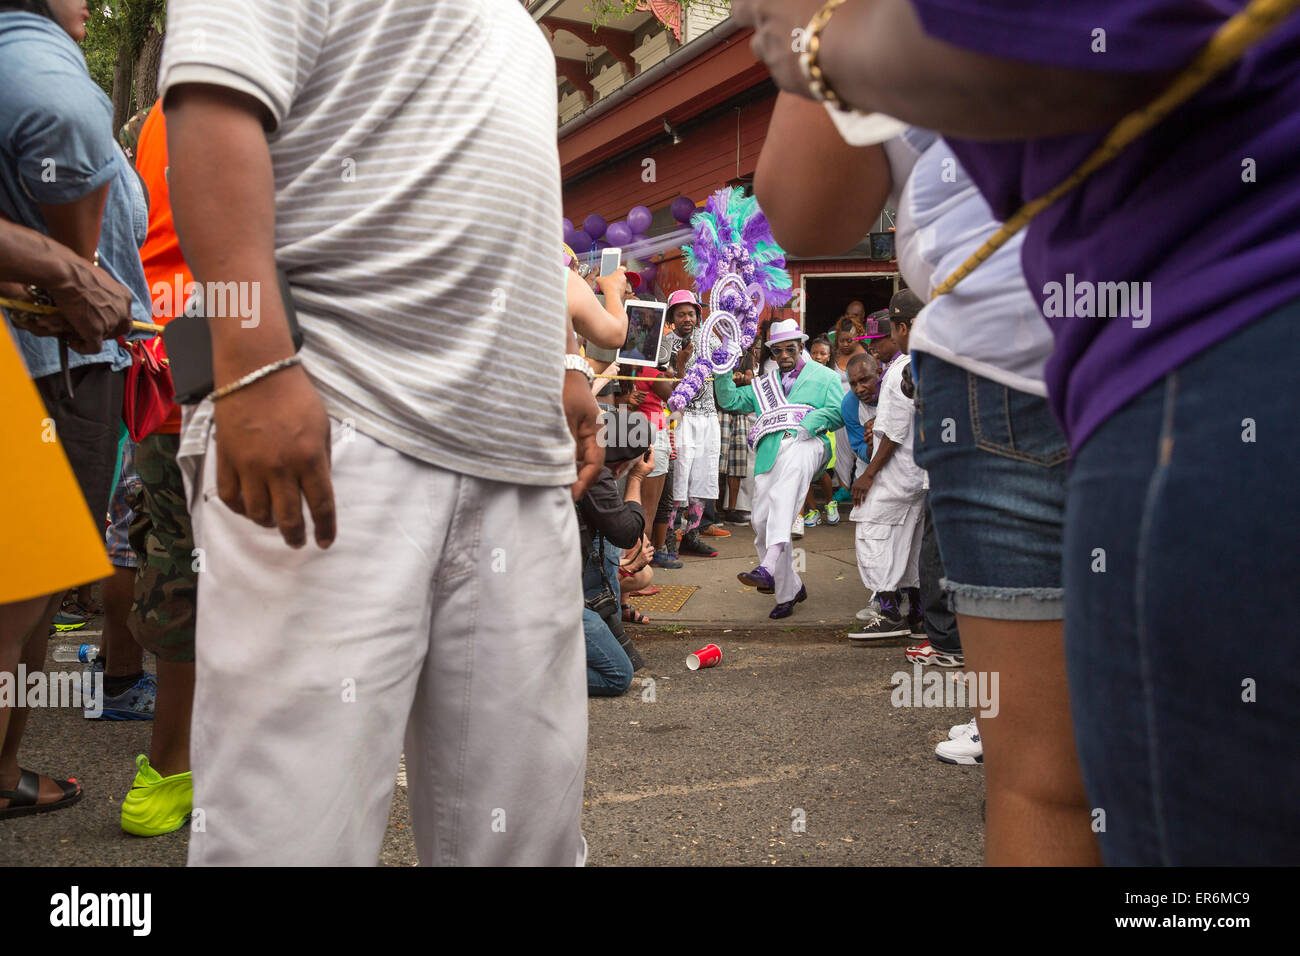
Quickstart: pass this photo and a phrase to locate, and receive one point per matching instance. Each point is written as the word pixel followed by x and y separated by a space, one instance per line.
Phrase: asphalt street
pixel 787 753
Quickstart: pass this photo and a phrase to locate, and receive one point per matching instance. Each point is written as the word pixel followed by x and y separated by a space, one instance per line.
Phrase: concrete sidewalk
pixel 829 569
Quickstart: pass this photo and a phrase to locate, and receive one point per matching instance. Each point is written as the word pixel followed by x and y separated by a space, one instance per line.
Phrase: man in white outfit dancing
pixel 798 406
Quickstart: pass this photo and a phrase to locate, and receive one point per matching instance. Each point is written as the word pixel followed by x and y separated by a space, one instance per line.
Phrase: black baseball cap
pixel 631 437
pixel 905 305
pixel 876 325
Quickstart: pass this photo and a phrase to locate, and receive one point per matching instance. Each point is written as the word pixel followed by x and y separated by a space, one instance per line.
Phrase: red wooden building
pixel 668 103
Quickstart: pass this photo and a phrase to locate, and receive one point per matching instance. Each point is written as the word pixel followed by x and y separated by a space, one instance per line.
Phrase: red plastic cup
pixel 706 656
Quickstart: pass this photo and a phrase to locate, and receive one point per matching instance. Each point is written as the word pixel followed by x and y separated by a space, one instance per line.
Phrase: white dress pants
pixel 778 496
pixel 845 459
pixel 445 620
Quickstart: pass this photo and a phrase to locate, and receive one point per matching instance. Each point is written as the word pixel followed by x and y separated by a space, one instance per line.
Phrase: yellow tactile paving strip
pixel 668 601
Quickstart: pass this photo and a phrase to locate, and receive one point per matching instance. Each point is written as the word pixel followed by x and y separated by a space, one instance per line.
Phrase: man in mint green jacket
pixel 798 408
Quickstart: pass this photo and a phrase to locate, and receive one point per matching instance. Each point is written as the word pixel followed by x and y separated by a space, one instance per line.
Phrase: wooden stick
pixel 21 306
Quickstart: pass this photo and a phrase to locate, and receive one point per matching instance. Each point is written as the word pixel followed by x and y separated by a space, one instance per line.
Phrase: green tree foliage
pixel 100 45
pixel 115 35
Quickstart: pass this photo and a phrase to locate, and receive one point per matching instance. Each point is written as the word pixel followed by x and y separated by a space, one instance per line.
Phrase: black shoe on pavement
pixel 885 626
pixel 691 544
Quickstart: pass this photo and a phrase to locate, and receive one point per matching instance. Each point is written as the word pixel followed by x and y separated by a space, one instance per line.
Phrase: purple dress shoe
pixel 786 608
pixel 760 578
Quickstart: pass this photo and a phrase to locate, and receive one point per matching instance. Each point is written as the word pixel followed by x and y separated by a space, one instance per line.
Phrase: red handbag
pixel 149 396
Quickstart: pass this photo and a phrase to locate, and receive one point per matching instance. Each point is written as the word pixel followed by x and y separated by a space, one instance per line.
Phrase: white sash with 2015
pixel 776 412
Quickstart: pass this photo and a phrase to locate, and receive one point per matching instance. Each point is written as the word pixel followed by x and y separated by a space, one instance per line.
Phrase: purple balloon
pixel 683 208
pixel 569 233
pixel 568 225
pixel 594 226
pixel 581 242
pixel 638 218
pixel 639 237
pixel 619 234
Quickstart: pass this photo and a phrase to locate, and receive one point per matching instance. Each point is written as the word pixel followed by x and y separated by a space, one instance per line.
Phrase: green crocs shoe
pixel 157 804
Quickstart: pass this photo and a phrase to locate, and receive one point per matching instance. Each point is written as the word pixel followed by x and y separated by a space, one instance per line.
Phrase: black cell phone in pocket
pixel 189 347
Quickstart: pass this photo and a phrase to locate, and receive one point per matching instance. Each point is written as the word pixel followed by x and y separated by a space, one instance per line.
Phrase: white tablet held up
pixel 645 330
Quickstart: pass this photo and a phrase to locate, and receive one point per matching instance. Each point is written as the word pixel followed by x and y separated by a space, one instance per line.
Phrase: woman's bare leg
pixel 637 581
pixel 651 489
pixel 1037 812
pixel 24 632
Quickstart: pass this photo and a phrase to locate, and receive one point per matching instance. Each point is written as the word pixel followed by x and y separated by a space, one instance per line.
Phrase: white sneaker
pixel 961 730
pixel 966 749
pixel 796 529
pixel 927 654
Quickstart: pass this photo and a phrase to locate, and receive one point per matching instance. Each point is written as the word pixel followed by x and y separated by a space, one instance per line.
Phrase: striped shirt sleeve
pixel 261 49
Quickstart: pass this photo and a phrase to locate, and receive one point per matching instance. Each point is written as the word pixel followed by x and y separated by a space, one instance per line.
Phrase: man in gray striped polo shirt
pixel 398 160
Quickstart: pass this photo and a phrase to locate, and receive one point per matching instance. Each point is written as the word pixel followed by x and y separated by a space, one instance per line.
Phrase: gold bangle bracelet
pixel 810 59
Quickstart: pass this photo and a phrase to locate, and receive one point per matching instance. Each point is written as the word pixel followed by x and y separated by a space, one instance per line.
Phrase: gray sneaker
pixel 135 703
pixel 883 627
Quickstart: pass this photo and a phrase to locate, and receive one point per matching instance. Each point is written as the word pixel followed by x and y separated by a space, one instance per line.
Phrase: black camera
pixel 606 604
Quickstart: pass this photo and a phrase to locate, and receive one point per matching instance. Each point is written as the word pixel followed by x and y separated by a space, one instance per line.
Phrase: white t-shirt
pixel 417 213
pixel 899 484
pixel 989 324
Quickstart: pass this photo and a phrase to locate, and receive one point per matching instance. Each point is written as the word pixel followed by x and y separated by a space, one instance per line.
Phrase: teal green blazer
pixel 816 385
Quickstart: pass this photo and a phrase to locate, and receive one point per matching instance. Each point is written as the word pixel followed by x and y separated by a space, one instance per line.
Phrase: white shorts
pixel 889 554
pixel 699 442
pixel 662 452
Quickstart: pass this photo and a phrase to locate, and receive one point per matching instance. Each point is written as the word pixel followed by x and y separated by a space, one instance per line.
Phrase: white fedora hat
pixel 785 330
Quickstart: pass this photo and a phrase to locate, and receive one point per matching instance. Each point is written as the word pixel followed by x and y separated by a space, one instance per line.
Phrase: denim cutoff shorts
pixel 997 465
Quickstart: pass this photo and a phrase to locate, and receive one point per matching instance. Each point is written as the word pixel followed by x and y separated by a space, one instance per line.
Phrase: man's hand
pixel 636 558
pixel 273 449
pixel 683 357
pixel 642 467
pixel 581 410
pixel 92 305
pixel 635 398
pixel 778 29
pixel 860 488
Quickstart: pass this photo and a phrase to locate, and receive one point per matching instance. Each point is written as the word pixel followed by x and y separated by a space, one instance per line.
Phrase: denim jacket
pixel 56 146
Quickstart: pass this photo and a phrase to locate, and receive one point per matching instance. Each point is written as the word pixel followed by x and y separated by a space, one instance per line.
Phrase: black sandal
pixel 632 616
pixel 22 798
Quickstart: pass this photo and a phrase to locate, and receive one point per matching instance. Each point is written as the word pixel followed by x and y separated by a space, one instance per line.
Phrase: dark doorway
pixel 827 296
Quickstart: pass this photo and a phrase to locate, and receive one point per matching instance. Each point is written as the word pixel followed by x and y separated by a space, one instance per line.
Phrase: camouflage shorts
pixel 166 584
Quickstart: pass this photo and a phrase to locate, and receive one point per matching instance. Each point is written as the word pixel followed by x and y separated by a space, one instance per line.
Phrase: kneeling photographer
pixel 609 522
